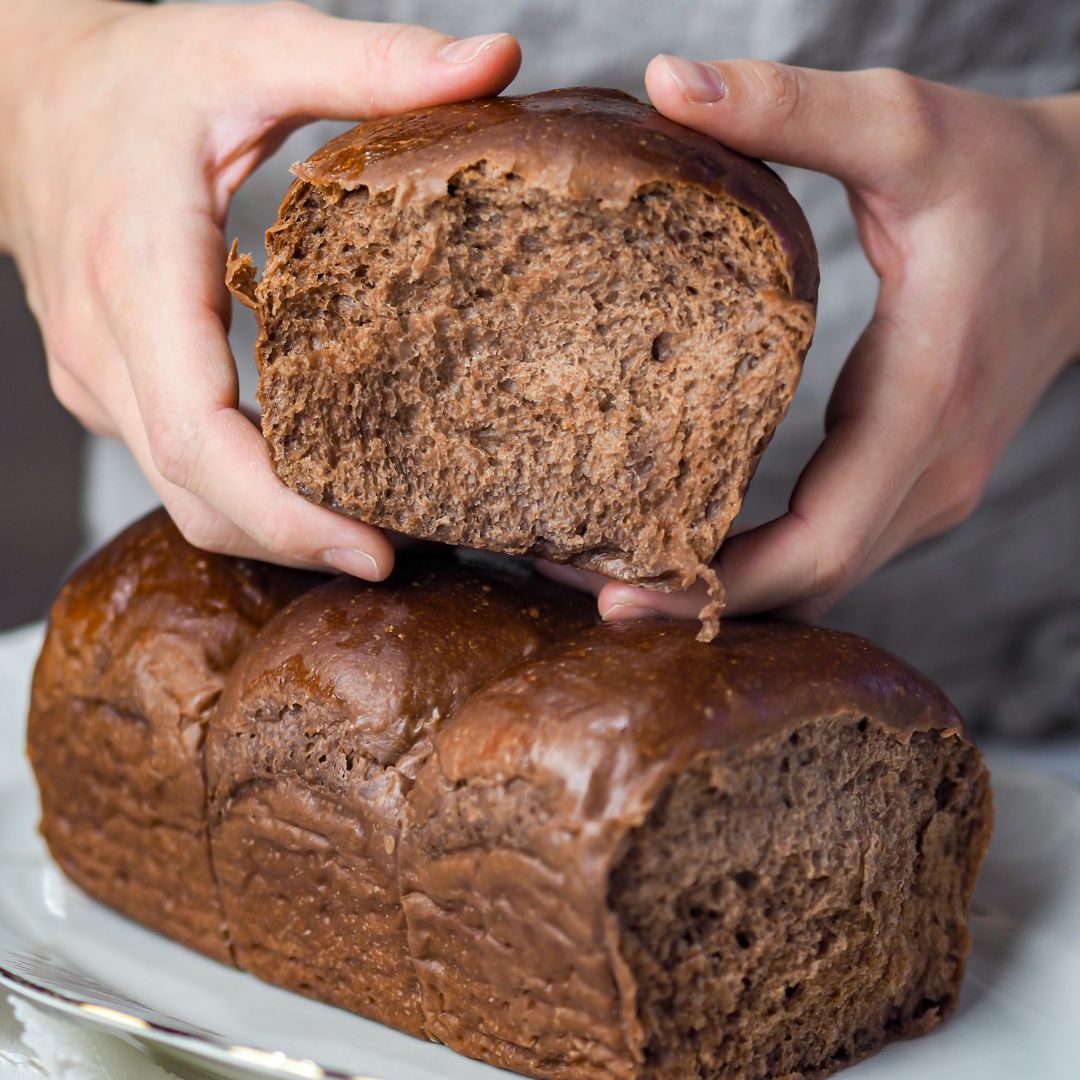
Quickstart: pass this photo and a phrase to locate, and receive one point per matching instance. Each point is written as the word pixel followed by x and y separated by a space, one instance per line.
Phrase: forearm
pixel 1059 119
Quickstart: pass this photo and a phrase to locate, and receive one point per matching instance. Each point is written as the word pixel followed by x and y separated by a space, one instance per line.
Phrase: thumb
pixel 857 126
pixel 304 64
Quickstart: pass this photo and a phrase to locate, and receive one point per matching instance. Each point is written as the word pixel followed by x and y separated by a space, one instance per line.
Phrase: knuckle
pixel 965 481
pixel 278 15
pixel 832 566
pixel 71 395
pixel 65 389
pixel 274 543
pixel 199 526
pixel 277 537
pixel 107 265
pixel 60 337
pixel 914 108
pixel 173 451
pixel 782 87
pixel 953 389
pixel 832 573
pixel 392 42
pixel 967 502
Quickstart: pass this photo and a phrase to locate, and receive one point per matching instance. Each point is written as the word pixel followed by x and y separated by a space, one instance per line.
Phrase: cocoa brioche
pixel 139 643
pixel 558 324
pixel 449 803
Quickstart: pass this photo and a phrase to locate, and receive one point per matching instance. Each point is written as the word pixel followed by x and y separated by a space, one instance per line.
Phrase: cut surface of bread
pixel 558 325
pixel 787 911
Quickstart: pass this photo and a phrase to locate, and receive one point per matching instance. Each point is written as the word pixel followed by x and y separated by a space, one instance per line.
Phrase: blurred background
pixel 42 463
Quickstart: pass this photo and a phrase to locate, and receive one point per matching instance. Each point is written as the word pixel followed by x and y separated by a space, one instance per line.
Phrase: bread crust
pixel 312 753
pixel 139 643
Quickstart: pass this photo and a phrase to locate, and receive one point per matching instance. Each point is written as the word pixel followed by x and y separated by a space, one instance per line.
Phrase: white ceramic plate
pixel 1019 1015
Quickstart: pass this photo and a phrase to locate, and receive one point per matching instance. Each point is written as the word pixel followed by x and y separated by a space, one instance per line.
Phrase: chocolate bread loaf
pixel 446 802
pixel 559 324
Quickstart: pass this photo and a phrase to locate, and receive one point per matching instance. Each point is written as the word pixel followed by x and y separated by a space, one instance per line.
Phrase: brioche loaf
pixel 558 324
pixel 451 803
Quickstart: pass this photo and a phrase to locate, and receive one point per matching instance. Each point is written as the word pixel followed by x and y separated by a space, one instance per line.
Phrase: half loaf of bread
pixel 559 325
pixel 452 804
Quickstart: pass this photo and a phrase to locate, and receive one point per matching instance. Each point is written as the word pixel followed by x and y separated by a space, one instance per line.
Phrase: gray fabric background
pixel 992 610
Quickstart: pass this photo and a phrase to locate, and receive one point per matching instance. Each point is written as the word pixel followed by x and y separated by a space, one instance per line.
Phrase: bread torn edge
pixel 714 607
pixel 240 276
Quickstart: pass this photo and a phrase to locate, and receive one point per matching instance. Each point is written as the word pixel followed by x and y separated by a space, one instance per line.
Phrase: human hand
pixel 128 129
pixel 967 208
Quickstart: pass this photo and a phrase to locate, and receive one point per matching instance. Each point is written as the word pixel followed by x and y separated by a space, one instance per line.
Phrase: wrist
pixel 37 35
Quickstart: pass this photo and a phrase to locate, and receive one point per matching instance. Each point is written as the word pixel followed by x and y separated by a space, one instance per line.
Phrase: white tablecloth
pixel 36 1044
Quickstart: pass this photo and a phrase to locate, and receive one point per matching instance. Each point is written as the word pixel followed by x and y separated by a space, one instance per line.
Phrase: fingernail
pixel 467 49
pixel 622 610
pixel 700 84
pixel 353 561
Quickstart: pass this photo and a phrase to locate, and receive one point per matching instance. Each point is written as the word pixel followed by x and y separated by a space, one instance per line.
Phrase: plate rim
pixel 273 1063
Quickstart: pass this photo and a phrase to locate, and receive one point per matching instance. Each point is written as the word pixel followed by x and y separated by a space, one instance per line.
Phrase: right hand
pixel 129 128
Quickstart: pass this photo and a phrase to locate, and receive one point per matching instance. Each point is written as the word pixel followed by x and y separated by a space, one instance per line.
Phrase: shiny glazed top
pixel 601 720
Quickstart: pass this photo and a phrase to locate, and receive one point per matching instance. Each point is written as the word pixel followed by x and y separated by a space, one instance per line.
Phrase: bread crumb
pixel 711 612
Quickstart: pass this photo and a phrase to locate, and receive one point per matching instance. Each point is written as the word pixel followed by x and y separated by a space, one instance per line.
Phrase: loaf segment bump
pixel 139 644
pixel 313 751
pixel 753 858
pixel 559 325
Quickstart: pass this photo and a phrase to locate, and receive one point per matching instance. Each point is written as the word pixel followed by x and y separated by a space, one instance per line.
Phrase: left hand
pixel 967 207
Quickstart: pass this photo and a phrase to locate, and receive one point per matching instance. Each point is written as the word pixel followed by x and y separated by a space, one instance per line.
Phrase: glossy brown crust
pixel 139 643
pixel 582 141
pixel 312 753
pixel 678 698
pixel 594 730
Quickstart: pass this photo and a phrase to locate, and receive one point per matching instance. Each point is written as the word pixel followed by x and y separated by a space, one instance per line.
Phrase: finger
pixel 880 442
pixel 199 523
pixel 618 595
pixel 77 400
pixel 883 433
pixel 302 63
pixel 185 386
pixel 118 409
pixel 941 498
pixel 857 126
pixel 617 601
pixel 585 580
